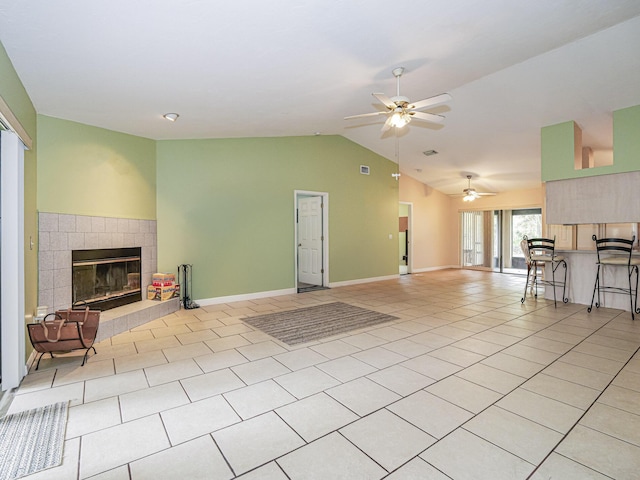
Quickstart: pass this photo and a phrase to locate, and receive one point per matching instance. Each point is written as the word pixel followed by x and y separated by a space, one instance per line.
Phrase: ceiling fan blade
pixel 387 124
pixel 427 117
pixel 365 115
pixel 386 101
pixel 485 194
pixel 431 101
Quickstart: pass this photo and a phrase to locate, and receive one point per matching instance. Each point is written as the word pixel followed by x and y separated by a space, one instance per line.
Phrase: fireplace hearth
pixel 106 278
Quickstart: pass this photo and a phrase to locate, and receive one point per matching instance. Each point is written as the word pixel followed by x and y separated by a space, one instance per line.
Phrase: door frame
pixel 325 233
pixel 410 235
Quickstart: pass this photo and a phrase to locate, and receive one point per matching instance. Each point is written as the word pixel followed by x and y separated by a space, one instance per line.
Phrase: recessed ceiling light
pixel 428 153
pixel 172 117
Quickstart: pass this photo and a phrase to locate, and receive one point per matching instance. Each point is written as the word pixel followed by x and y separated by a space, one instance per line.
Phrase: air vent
pixel 364 169
pixel 428 153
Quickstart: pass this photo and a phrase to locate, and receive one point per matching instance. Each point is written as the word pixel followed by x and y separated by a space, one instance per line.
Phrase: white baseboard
pixel 433 269
pixel 245 296
pixel 364 280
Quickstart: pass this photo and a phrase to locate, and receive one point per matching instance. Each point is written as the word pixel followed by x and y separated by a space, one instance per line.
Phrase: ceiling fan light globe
pixel 469 198
pixel 399 120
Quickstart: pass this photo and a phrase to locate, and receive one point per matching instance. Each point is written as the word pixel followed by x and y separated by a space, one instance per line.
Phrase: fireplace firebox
pixel 106 278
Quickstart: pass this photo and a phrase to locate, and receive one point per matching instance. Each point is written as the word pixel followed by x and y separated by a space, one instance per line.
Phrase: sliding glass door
pixel 490 239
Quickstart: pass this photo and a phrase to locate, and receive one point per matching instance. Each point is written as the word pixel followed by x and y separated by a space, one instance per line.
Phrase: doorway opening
pixel 404 237
pixel 311 240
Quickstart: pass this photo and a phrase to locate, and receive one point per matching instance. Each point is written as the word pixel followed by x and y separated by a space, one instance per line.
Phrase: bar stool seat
pixel 616 253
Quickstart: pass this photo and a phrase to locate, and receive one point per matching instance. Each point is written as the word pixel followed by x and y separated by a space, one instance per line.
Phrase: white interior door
pixel 310 240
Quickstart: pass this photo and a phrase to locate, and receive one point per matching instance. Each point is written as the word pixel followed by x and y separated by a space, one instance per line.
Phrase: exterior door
pixel 310 240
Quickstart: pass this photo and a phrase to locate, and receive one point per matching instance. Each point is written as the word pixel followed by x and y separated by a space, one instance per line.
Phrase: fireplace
pixel 106 278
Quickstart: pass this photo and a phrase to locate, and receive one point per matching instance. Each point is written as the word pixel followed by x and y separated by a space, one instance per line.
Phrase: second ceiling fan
pixel 470 193
pixel 400 110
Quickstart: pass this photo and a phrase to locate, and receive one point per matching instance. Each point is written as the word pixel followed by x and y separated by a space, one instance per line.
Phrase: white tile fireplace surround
pixel 59 234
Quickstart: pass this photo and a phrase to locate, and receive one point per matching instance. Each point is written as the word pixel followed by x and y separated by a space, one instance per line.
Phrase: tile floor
pixel 467 383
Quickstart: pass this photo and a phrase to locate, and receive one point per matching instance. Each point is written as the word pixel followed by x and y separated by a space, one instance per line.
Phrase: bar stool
pixel 541 253
pixel 616 252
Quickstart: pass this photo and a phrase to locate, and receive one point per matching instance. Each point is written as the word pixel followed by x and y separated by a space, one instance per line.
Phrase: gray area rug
pixel 313 323
pixel 32 440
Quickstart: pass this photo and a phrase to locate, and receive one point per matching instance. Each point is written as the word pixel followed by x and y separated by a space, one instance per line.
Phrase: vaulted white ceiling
pixel 251 68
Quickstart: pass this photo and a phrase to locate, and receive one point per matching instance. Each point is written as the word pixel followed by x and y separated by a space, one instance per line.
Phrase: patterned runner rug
pixel 313 323
pixel 32 440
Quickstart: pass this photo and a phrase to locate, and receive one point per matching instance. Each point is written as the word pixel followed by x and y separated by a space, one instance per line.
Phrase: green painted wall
pixel 557 149
pixel 227 207
pixel 88 170
pixel 14 94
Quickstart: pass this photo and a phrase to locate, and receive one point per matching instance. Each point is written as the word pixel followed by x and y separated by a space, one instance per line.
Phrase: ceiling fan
pixel 470 193
pixel 400 110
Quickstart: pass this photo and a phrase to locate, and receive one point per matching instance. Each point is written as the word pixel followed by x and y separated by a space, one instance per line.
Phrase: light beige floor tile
pixel 260 370
pixel 198 459
pixel 464 456
pixel 390 334
pixel 35 381
pixel 72 393
pixel 432 414
pixel 509 363
pixel 603 351
pixel 379 357
pixel 364 341
pixel 497 338
pixel 417 469
pixel 491 378
pixel 220 360
pixel 130 337
pixel 363 396
pixel 204 325
pixel 196 337
pixel 306 382
pixel 171 372
pixel 301 358
pixel 401 380
pixel 227 343
pixel 591 362
pixel 210 384
pixel 407 348
pixel 91 370
pixel 614 422
pixel 199 418
pixel 523 438
pixel 258 337
pixel 234 329
pixel 346 368
pixel 261 350
pixel 330 457
pixel 457 356
pixel 464 394
pixel 114 385
pixel 119 445
pixel 157 323
pixel 618 342
pixel 532 354
pixel 256 441
pixel 481 347
pixel 388 439
pixel 602 453
pixel 270 471
pixel 335 349
pixel 579 375
pixel 170 331
pixel 622 398
pixel 259 398
pixel 105 352
pixel 562 390
pixel 141 360
pixel 557 466
pixel 628 379
pixel 93 416
pixel 151 400
pixel 545 411
pixel 182 352
pixel 431 367
pixel 316 416
pixel 432 340
pixel 118 473
pixel 156 344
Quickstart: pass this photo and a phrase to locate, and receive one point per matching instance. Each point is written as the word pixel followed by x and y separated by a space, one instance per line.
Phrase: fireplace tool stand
pixel 185 276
